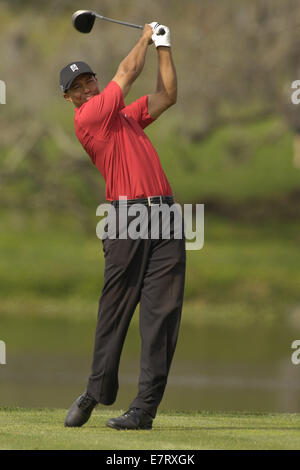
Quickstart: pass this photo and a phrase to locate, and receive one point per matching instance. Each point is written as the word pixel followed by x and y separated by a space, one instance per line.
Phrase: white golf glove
pixel 160 39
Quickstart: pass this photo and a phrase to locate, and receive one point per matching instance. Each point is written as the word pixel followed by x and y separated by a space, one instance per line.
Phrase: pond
pixel 48 363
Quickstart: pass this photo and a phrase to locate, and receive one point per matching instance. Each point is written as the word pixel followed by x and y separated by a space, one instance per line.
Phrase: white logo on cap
pixel 74 67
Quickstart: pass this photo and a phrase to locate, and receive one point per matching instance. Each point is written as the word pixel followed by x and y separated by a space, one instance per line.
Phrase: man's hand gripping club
pixel 160 39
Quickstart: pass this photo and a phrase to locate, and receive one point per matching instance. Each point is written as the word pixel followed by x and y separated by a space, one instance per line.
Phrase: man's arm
pixel 131 67
pixel 166 89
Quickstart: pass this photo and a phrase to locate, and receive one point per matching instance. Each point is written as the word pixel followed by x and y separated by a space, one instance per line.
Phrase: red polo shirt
pixel 112 135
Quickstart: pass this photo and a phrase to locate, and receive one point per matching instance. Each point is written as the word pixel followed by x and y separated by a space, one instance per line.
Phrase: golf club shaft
pixel 119 22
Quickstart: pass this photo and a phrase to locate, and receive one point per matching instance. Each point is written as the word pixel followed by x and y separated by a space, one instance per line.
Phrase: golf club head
pixel 83 20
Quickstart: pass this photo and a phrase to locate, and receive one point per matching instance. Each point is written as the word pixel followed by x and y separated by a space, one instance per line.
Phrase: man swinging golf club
pixel 146 271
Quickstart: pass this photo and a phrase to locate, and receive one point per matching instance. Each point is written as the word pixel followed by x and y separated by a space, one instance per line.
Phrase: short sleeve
pixel 138 110
pixel 98 113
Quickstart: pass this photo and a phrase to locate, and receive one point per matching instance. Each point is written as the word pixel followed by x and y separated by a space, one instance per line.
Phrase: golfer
pixel 146 271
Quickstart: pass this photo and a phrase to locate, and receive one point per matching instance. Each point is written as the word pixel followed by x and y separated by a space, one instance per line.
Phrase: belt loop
pixel 154 203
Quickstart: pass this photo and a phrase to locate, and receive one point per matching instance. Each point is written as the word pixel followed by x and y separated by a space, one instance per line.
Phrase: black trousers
pixel 152 272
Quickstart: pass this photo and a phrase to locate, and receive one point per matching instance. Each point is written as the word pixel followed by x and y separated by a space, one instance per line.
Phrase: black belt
pixel 149 201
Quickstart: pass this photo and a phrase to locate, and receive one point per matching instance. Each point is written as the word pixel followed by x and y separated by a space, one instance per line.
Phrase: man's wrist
pixel 143 42
pixel 164 53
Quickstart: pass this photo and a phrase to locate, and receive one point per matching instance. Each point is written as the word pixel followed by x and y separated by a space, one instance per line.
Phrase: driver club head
pixel 83 20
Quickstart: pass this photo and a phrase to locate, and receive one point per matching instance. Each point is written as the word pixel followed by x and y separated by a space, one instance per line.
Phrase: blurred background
pixel 231 143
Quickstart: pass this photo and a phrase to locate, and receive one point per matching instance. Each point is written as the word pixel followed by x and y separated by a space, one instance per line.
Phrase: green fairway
pixel 32 429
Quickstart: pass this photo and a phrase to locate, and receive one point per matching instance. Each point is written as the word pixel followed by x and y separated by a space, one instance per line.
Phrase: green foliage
pixel 235 163
pixel 228 139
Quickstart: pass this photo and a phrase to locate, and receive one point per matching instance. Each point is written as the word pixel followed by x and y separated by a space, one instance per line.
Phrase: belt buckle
pixel 154 203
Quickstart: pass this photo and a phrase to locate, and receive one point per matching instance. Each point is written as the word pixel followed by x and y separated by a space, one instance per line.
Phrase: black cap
pixel 70 72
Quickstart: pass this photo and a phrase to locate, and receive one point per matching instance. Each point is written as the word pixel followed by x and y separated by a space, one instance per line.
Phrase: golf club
pixel 83 21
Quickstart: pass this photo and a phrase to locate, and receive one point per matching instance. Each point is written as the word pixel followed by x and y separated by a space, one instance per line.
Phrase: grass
pixel 43 429
pixel 48 261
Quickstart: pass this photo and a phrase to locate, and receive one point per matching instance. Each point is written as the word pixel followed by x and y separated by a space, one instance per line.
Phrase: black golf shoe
pixel 135 418
pixel 80 411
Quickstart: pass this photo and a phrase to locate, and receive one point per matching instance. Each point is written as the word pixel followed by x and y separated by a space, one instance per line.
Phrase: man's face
pixel 84 87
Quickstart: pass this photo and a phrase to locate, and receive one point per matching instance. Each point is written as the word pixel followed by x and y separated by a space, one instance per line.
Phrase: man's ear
pixel 67 97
